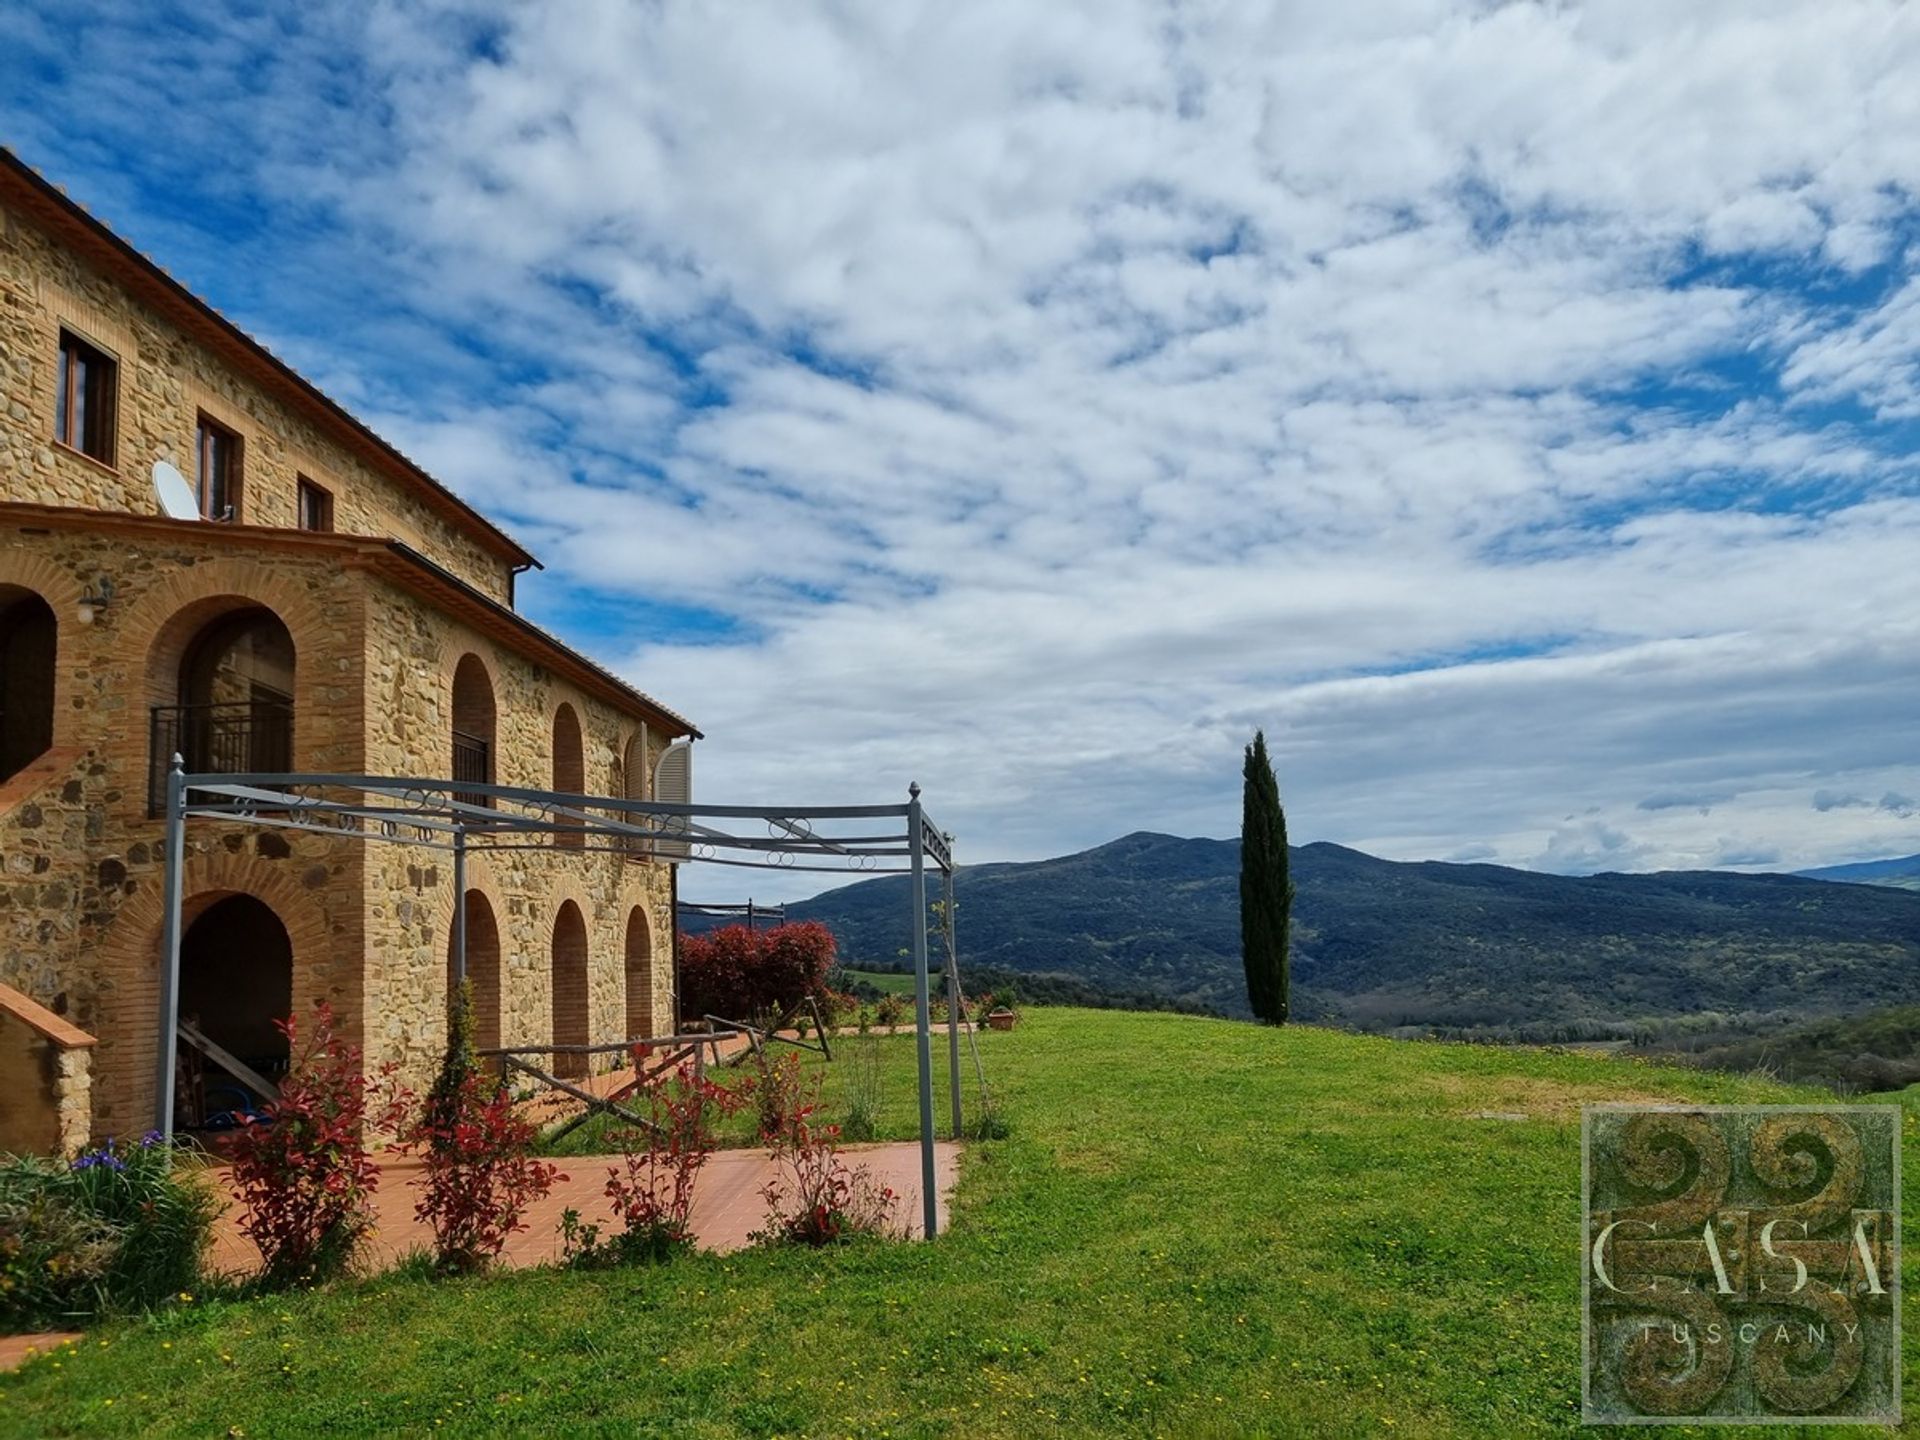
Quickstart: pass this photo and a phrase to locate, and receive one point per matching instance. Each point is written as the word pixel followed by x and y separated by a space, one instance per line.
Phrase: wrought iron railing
pixel 472 763
pixel 247 737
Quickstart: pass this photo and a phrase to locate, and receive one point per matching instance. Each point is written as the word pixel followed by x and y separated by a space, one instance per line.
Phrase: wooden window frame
pixel 108 400
pixel 205 426
pixel 304 487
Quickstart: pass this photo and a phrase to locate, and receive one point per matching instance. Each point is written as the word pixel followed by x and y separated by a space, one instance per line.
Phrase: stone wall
pixel 44 1078
pixel 81 868
pixel 413 653
pixel 368 925
pixel 166 381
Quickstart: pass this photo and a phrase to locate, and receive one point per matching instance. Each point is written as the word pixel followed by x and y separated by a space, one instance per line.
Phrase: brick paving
pixel 16 1350
pixel 727 1206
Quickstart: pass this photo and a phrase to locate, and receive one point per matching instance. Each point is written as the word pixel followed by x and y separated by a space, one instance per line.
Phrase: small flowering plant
pixel 114 1229
pixel 815 1198
pixel 307 1180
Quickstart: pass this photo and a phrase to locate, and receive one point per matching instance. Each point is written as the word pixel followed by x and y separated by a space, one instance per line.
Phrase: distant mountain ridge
pixel 1902 873
pixel 1383 944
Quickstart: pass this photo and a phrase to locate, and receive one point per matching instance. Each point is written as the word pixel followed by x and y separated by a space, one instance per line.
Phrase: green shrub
pixel 112 1231
pixel 860 1069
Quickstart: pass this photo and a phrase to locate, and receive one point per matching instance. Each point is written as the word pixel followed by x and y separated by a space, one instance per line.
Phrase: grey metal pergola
pixel 456 816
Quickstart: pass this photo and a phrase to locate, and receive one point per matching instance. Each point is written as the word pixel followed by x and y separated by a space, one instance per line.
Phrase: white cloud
pixel 1480 398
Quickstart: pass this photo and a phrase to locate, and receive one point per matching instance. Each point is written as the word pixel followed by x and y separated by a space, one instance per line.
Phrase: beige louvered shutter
pixel 673 785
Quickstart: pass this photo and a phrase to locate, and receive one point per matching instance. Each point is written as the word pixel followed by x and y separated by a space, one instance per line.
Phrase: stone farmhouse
pixel 332 608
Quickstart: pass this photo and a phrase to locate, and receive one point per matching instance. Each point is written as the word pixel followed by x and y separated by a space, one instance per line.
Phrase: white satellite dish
pixel 176 496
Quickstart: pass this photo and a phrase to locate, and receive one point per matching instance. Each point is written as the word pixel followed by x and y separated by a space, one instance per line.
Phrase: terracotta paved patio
pixel 727 1205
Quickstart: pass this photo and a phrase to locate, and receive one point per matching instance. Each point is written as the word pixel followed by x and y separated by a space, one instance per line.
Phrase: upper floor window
pixel 316 506
pixel 219 477
pixel 83 406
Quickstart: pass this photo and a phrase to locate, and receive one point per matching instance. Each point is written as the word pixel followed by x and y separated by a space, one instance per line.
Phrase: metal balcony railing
pixel 247 737
pixel 473 763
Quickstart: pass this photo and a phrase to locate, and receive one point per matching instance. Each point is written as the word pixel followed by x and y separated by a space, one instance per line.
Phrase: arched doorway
pixel 29 639
pixel 473 725
pixel 236 980
pixel 571 1024
pixel 483 969
pixel 639 974
pixel 569 766
pixel 236 695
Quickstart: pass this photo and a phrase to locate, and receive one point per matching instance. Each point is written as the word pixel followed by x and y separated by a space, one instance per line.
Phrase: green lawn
pixel 1196 1228
pixel 887 982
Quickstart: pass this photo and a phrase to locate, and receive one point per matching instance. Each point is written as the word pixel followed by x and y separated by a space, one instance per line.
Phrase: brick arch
pixel 454 655
pixel 490 993
pixel 637 978
pixel 165 622
pixel 24 570
pixel 569 755
pixel 128 966
pixel 571 946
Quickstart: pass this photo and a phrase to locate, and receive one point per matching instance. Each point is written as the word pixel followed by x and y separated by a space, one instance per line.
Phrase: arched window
pixel 569 766
pixel 571 1025
pixel 639 974
pixel 473 726
pixel 29 638
pixel 220 679
pixel 483 969
pixel 236 696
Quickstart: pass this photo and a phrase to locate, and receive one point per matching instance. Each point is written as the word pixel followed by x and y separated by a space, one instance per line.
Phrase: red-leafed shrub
pixel 652 1188
pixel 306 1179
pixel 480 1172
pixel 742 974
pixel 815 1199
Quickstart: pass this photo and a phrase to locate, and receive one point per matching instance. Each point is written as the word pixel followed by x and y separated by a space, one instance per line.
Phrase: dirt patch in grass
pixel 1533 1097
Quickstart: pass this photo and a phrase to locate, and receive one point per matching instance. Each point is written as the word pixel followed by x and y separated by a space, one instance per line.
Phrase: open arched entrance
pixel 236 980
pixel 569 766
pixel 29 638
pixel 474 718
pixel 483 969
pixel 639 974
pixel 570 1008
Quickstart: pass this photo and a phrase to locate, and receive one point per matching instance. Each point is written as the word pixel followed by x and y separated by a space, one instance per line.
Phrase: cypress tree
pixel 459 1061
pixel 1266 890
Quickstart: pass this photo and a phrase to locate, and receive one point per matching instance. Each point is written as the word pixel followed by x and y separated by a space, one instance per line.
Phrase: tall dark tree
pixel 1266 890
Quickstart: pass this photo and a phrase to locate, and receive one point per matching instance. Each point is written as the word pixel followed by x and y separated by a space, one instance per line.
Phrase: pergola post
pixel 173 894
pixel 953 990
pixel 459 913
pixel 923 1037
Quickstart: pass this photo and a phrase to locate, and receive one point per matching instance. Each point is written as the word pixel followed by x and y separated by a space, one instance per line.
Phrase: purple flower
pixel 151 1138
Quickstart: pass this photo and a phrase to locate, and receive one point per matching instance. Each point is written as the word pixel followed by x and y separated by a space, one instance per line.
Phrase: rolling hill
pixel 1901 874
pixel 1383 944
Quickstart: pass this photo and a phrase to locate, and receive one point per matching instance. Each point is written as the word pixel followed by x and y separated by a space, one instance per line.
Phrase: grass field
pixel 1195 1228
pixel 887 982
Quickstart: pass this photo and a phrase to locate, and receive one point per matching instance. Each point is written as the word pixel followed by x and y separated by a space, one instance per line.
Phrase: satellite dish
pixel 176 496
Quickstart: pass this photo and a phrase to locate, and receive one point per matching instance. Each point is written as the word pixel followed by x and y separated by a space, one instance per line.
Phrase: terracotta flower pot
pixel 1001 1020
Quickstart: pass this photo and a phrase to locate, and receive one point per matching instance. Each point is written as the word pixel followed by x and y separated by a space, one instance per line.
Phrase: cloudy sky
pixel 1512 408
